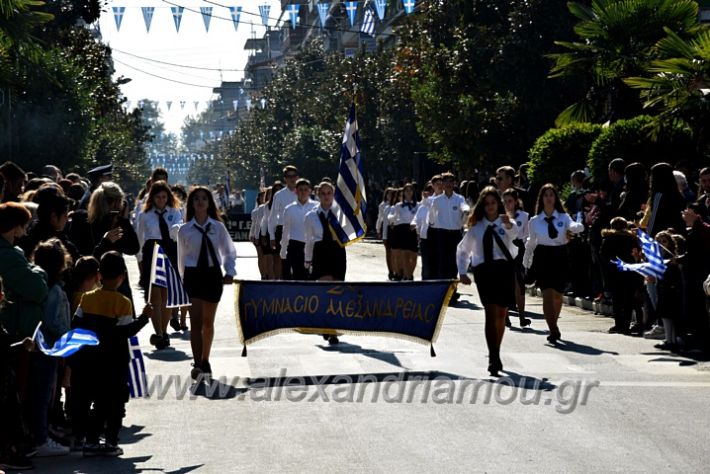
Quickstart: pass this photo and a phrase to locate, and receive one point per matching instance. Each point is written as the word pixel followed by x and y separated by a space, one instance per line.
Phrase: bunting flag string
pixel 380 6
pixel 408 6
pixel 293 14
pixel 177 17
pixel 264 12
pixel 351 8
pixel 148 17
pixel 323 9
pixel 206 17
pixel 235 12
pixel 118 16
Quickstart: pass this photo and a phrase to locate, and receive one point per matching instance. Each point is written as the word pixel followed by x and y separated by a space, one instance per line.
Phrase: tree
pixel 615 41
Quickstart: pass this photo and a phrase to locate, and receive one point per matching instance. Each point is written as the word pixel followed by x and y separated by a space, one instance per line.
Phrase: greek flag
pixel 163 274
pixel 137 383
pixel 350 191
pixel 368 21
pixel 654 266
pixel 68 344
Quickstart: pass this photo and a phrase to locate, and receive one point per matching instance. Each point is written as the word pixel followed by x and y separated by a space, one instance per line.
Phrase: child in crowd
pixel 670 288
pixel 53 257
pixel 13 433
pixel 99 373
pixel 86 278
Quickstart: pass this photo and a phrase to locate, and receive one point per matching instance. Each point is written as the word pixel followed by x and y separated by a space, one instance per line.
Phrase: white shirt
pixel 255 222
pixel 385 223
pixel 148 225
pixel 264 224
pixel 380 216
pixel 314 229
pixel 448 213
pixel 190 244
pixel 401 214
pixel 282 198
pixel 521 222
pixel 420 221
pixel 538 234
pixel 471 246
pixel 295 223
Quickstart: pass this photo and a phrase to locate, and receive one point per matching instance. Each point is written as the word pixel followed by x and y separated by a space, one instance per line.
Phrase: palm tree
pixel 616 41
pixel 18 21
pixel 677 86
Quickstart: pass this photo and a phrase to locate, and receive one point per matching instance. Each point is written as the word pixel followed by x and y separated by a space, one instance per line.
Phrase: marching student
pixel 391 195
pixel 323 254
pixel 293 237
pixel 159 222
pixel 204 246
pixel 419 224
pixel 381 227
pixel 281 199
pixel 272 258
pixel 513 207
pixel 404 238
pixel 488 244
pixel 257 215
pixel 546 253
pixel 446 220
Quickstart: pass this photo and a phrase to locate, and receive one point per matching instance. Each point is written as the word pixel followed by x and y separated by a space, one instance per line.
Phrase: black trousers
pixel 293 264
pixel 285 270
pixel 424 252
pixel 442 257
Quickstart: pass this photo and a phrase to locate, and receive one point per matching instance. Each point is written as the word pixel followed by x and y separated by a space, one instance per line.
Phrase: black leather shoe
pixel 175 324
pixel 525 322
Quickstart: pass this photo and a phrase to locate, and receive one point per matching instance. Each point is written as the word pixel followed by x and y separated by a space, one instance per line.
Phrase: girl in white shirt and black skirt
pixel 546 258
pixel 204 246
pixel 403 241
pixel 158 223
pixel 514 209
pixel 488 244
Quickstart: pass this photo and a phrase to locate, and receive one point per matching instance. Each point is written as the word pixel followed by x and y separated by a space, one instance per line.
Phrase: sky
pixel 221 49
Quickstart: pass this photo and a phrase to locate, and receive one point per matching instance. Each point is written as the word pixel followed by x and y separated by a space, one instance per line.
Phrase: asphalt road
pixel 597 402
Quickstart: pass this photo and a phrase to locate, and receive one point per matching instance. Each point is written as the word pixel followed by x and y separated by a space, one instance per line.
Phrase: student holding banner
pixel 204 246
pixel 324 255
pixel 281 199
pixel 293 236
pixel 489 245
pixel 159 222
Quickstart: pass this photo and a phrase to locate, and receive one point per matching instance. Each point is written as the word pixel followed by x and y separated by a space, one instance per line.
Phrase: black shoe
pixel 494 367
pixel 508 324
pixel 554 337
pixel 196 370
pixel 183 328
pixel 636 330
pixel 206 368
pixel 333 340
pixel 525 322
pixel 614 330
pixel 16 462
pixel 175 324
pixel 156 340
pixel 665 346
pixel 166 340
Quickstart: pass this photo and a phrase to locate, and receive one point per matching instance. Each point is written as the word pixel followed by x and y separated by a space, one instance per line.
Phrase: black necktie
pixel 488 244
pixel 164 230
pixel 203 261
pixel 551 231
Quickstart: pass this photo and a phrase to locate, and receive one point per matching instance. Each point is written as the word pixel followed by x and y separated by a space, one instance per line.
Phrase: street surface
pixel 597 402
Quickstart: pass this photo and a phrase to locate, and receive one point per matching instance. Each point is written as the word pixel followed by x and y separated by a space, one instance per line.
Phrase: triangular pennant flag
pixel 263 103
pixel 128 104
pixel 380 6
pixel 177 17
pixel 293 14
pixel 148 17
pixel 264 12
pixel 409 6
pixel 351 8
pixel 169 103
pixel 323 9
pixel 206 17
pixel 248 101
pixel 118 16
pixel 182 105
pixel 235 104
pixel 202 136
pixel 197 104
pixel 207 104
pixel 140 104
pixel 235 12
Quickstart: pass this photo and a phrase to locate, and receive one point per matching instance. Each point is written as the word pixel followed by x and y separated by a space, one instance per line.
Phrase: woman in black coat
pixel 665 203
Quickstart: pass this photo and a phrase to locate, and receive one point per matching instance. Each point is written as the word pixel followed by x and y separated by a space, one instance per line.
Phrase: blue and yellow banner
pixel 410 310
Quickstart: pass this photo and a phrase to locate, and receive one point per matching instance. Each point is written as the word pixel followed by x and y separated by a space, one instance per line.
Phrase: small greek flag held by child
pixel 654 266
pixel 164 275
pixel 137 382
pixel 68 344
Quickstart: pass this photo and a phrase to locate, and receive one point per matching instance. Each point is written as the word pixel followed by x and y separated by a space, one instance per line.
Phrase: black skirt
pixel 265 242
pixel 495 282
pixel 328 260
pixel 204 283
pixel 550 267
pixel 404 238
